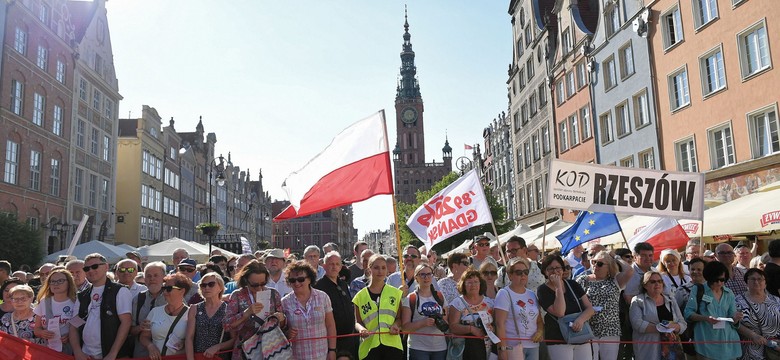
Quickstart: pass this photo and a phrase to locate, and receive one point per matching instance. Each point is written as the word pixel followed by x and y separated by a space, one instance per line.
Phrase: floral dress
pixel 606 294
pixel 239 301
pixel 23 328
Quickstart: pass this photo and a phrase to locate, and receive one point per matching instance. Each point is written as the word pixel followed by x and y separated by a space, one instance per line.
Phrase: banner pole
pixel 395 207
pixel 492 221
pixel 544 231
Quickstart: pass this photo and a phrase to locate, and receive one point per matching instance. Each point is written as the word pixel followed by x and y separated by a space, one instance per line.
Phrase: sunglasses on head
pixel 126 270
pixel 92 267
pixel 169 288
pixel 299 279
pixel 208 284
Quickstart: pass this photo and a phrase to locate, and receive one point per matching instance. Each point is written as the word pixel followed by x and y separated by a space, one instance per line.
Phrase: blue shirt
pixel 723 343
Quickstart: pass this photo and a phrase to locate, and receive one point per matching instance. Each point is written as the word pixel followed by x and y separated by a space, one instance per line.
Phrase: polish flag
pixel 467 147
pixel 662 233
pixel 354 167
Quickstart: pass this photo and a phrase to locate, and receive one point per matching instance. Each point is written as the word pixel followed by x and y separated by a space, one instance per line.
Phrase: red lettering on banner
pixel 770 218
pixel 453 224
pixel 442 206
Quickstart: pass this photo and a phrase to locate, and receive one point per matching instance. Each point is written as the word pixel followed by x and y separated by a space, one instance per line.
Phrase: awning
pixel 755 213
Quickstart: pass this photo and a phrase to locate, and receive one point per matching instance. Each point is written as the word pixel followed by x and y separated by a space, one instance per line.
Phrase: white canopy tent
pixel 112 253
pixel 554 228
pixel 758 212
pixel 163 251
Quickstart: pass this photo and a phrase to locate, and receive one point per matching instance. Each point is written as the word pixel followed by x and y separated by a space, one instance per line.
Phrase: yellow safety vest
pixel 379 319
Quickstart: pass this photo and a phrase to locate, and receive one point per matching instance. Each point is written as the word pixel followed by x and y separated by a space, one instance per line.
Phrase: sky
pixel 277 80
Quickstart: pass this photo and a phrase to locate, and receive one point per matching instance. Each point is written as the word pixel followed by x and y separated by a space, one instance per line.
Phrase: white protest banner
pixel 620 190
pixel 456 208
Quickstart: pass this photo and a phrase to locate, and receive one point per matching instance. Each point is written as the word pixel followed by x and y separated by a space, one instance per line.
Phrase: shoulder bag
pixel 570 336
pixel 268 342
pixel 170 330
pixel 457 344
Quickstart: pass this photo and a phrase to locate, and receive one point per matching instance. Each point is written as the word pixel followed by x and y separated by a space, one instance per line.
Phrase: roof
pixel 81 15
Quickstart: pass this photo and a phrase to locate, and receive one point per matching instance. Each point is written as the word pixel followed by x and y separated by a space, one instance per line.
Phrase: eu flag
pixel 588 226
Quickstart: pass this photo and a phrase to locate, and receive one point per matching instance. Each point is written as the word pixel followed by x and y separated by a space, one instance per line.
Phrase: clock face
pixel 409 115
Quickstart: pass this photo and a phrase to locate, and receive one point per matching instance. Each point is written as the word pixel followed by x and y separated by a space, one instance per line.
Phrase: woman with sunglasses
pixel 464 314
pixel 517 315
pixel 310 314
pixel 559 297
pixel 418 311
pixel 489 272
pixel 458 263
pixel 242 309
pixel 718 301
pixel 21 322
pixel 56 302
pixel 168 323
pixel 603 288
pixel 656 320
pixel 205 330
pixel 377 310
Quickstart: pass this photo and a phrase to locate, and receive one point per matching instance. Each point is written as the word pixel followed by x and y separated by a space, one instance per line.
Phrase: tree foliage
pixel 405 211
pixel 20 243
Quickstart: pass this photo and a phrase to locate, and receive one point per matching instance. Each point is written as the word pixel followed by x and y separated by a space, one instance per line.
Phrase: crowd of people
pixel 592 303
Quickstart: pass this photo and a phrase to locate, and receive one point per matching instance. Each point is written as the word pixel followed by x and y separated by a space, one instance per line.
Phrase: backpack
pixel 437 295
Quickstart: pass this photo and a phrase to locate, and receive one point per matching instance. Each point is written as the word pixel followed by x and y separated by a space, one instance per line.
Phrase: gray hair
pixel 331 254
pixel 390 259
pixel 366 251
pixel 155 264
pixel 123 261
pixel 180 250
pixel 79 263
pixel 310 249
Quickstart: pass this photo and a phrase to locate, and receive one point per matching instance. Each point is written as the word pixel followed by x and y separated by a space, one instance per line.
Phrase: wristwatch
pixel 329 350
pixel 504 348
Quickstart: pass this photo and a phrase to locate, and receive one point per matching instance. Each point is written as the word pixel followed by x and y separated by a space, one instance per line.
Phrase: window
pixel 11 174
pixel 60 71
pixel 83 89
pixel 20 41
pixel 78 195
pixel 606 132
pixel 109 108
pixel 566 41
pixel 38 109
pixel 521 79
pixel 646 159
pixel 56 124
pixel 678 89
pixel 623 119
pixel 96 99
pixel 532 104
pixel 519 160
pixel 106 148
pixel 574 138
pixel 520 48
pixel 542 95
pixel 42 60
pixel 672 27
pixel 545 139
pixel 571 87
pixel 43 13
pixel 721 147
pixel 35 170
pixel 539 193
pixel 626 56
pixel 563 134
pixel 754 50
pixel 529 194
pixel 104 195
pixel 641 109
pixel 516 120
pixel 560 96
pixel 528 35
pixel 524 113
pixel 713 75
pixel 55 177
pixel 582 75
pixel 144 196
pixel 527 153
pixel 763 127
pixel 93 190
pixel 685 151
pixel 627 162
pixel 529 68
pixel 610 76
pixel 704 11
pixel 94 145
pixel 17 97
pixel 587 132
pixel 535 146
pixel 80 129
pixel 612 19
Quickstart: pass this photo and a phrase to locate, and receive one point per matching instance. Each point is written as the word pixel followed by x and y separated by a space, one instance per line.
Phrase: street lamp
pixel 220 179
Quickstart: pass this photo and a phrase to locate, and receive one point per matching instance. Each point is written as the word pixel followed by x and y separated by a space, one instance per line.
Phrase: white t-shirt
pixel 62 311
pixel 91 334
pixel 423 342
pixel 281 286
pixel 161 323
pixel 526 310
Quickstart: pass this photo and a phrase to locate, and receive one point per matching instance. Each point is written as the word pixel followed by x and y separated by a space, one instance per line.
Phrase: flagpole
pixel 395 206
pixel 492 221
pixel 624 237
pixel 544 230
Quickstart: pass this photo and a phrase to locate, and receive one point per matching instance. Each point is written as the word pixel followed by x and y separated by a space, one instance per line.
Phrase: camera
pixel 433 310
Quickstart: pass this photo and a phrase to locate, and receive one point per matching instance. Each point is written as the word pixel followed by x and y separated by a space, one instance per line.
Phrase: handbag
pixel 268 342
pixel 769 353
pixel 457 345
pixel 671 348
pixel 569 335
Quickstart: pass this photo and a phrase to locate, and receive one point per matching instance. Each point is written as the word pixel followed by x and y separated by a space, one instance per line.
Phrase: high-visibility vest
pixel 379 319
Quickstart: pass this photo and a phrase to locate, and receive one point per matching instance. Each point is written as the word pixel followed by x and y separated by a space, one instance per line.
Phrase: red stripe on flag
pixel 673 238
pixel 349 184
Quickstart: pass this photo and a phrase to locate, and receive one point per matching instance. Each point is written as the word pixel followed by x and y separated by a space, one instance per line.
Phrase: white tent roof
pixel 754 213
pixel 127 247
pixel 111 252
pixel 163 251
pixel 554 228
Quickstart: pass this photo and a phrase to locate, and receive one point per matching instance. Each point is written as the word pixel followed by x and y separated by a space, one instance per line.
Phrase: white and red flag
pixel 662 233
pixel 354 167
pixel 467 147
pixel 456 208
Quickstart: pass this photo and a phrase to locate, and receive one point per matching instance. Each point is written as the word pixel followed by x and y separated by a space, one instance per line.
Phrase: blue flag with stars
pixel 588 226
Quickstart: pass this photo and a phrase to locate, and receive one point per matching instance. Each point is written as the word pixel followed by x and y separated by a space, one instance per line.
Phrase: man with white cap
pixel 275 262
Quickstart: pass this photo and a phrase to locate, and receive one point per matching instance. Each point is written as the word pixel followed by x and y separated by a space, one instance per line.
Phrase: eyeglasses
pixel 628 257
pixel 521 272
pixel 597 263
pixel 653 282
pixel 299 279
pixel 554 268
pixel 483 244
pixel 411 256
pixel 21 299
pixel 186 269
pixel 257 286
pixel 57 282
pixel 425 275
pixel 720 280
pixel 490 273
pixel 126 270
pixel 92 267
pixel 208 284
pixel 169 288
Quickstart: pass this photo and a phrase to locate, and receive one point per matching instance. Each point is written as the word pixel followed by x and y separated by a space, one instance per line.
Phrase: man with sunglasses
pixel 481 245
pixel 515 249
pixel 187 267
pixel 126 270
pixel 736 282
pixel 104 315
pixel 411 259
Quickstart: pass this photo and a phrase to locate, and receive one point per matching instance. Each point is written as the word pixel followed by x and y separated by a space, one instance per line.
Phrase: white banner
pixel 456 208
pixel 620 190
